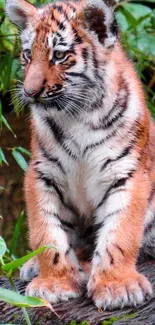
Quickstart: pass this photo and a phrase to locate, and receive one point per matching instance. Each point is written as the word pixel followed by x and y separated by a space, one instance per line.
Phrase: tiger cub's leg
pixel 30 270
pixel 114 281
pixel 60 273
pixel 148 241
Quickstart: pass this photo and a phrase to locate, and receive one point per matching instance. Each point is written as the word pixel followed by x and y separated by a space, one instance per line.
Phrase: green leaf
pixel 2 157
pixel 16 233
pixel 19 262
pixel 20 159
pixel 15 299
pixel 5 68
pixel 23 150
pixel 137 10
pixel 3 247
pixel 2 188
pixel 129 17
pixel 7 125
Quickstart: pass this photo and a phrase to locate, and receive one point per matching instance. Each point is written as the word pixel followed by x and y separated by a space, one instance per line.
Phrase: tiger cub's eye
pixel 59 55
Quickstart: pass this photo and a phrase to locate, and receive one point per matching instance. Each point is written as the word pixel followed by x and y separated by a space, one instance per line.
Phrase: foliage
pixel 137 23
pixel 9 264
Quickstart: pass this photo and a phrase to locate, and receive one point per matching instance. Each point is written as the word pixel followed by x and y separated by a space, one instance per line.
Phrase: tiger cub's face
pixel 63 49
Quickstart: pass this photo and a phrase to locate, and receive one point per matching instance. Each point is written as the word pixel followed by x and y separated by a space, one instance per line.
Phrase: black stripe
pixel 58 133
pixel 85 54
pixel 59 136
pixel 110 256
pixel 58 8
pixel 50 183
pixel 99 143
pixel 64 222
pixel 116 118
pixel 107 121
pixel 67 224
pixel 62 26
pixel 68 250
pixel 93 228
pixel 120 249
pixel 119 183
pixel 77 38
pixel 124 153
pixel 152 193
pixel 80 75
pixel 62 44
pixel 95 63
pixel 97 254
pixel 149 226
pixel 51 159
pixel 56 258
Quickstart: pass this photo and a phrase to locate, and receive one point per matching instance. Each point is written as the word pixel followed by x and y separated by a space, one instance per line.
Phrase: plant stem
pixel 26 316
pixel 28 322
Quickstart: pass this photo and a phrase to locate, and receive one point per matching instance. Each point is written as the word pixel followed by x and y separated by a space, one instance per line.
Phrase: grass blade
pixel 16 233
pixel 10 267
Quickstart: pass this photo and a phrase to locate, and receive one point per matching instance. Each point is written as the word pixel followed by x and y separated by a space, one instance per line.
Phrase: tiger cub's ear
pixel 19 11
pixel 98 16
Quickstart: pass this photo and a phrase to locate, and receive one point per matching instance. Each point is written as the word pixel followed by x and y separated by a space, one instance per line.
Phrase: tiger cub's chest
pixel 79 180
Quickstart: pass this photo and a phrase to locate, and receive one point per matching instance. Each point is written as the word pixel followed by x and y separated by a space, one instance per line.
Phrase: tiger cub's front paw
pixel 112 294
pixel 54 289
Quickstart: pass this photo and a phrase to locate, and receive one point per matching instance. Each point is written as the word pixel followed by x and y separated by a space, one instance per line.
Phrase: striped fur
pixel 91 181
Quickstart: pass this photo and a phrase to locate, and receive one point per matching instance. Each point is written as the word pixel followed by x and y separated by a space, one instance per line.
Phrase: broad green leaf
pixel 2 4
pixel 2 188
pixel 2 157
pixel 20 159
pixel 15 299
pixel 5 68
pixel 16 233
pixel 23 150
pixel 137 10
pixel 3 247
pixel 129 17
pixel 19 262
pixel 8 125
pixel 146 44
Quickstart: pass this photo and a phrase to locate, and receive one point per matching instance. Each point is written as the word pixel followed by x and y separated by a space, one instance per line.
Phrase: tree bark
pixel 82 309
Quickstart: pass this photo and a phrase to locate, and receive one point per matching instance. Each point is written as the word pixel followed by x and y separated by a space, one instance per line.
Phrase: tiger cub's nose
pixel 31 92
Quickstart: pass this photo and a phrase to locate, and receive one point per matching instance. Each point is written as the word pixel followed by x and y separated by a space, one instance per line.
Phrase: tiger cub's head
pixel 64 48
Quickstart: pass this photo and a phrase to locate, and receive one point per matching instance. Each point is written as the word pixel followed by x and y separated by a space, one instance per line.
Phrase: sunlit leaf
pixel 23 150
pixel 15 299
pixel 7 125
pixel 2 157
pixel 137 10
pixel 19 262
pixel 20 159
pixel 3 247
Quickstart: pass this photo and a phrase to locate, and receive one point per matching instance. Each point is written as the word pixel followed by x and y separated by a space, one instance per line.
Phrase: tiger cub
pixel 90 185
